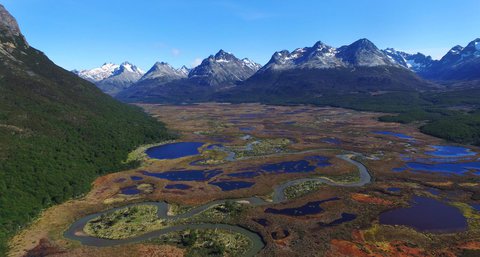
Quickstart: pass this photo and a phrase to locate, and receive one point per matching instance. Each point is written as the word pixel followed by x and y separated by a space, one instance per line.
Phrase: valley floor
pixel 253 152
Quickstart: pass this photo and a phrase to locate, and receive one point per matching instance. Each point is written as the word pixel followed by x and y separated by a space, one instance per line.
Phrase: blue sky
pixel 86 33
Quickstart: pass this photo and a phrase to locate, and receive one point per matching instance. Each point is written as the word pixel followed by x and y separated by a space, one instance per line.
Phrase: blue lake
pixel 136 178
pixel 433 191
pixel 426 215
pixel 450 151
pixel 132 190
pixel 288 167
pixel 394 189
pixel 178 186
pixel 321 161
pixel 185 175
pixel 232 185
pixel 307 209
pixel 476 206
pixel 449 168
pixel 346 217
pixel 398 135
pixel 173 151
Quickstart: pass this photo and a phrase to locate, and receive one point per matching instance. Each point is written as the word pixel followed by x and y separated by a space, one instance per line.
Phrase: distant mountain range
pixel 321 66
pixel 216 72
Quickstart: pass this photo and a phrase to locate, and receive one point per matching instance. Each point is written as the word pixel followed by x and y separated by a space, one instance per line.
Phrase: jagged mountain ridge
pixel 112 78
pixel 361 53
pixel 222 69
pixel 216 72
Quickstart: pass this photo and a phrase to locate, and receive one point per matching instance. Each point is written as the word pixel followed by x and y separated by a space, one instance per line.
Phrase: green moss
pixel 262 147
pixel 302 189
pixel 472 216
pixel 208 242
pixel 125 223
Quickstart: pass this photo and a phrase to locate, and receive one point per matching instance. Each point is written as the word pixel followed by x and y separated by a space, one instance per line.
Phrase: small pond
pixel 136 178
pixel 394 134
pixel 232 185
pixel 185 175
pixel 476 206
pixel 332 141
pixel 450 151
pixel 426 215
pixel 288 167
pixel 132 190
pixel 452 168
pixel 346 217
pixel 394 189
pixel 307 209
pixel 178 186
pixel 174 150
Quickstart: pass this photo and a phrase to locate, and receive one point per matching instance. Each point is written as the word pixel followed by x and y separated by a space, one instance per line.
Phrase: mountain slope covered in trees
pixel 57 131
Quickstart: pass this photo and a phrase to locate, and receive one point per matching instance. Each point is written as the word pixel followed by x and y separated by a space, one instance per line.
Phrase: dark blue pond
pixel 130 190
pixel 399 169
pixel 346 217
pixel 321 161
pixel 136 178
pixel 178 186
pixel 476 206
pixel 288 167
pixel 398 135
pixel 394 189
pixel 450 151
pixel 262 222
pixel 185 175
pixel 232 185
pixel 332 141
pixel 246 174
pixel 173 151
pixel 449 168
pixel 307 209
pixel 120 180
pixel 433 191
pixel 426 215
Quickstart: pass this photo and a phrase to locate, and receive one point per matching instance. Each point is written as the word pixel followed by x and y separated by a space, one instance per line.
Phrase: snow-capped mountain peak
pixel 112 78
pixel 164 72
pixel 251 64
pixel 184 70
pixel 322 56
pixel 100 73
pixel 223 68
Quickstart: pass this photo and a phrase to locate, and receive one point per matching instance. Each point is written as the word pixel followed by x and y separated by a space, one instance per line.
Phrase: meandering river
pixel 75 232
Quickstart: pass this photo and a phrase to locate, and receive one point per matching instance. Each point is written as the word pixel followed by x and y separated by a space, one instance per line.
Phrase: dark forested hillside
pixel 57 132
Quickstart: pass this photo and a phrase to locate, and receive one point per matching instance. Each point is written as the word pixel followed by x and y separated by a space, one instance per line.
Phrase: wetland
pixel 257 180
